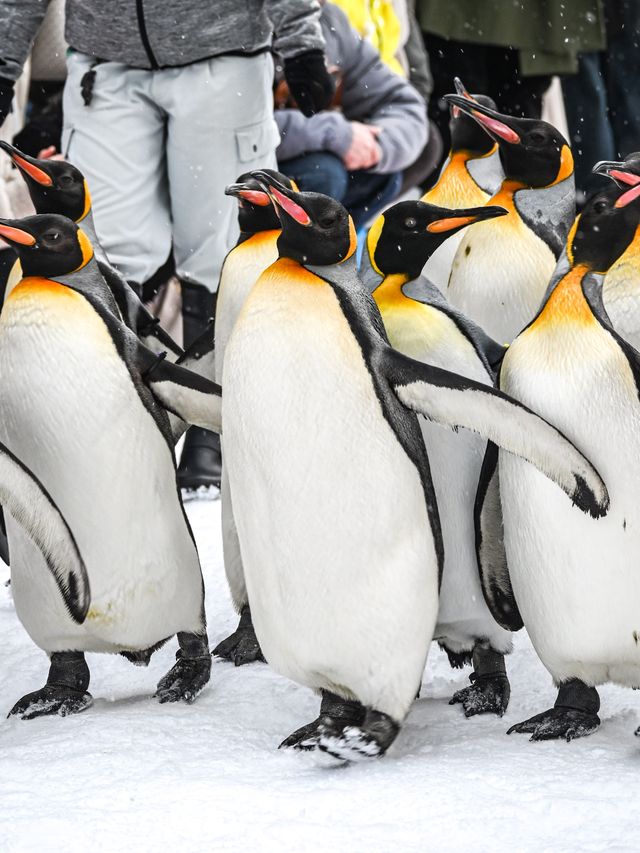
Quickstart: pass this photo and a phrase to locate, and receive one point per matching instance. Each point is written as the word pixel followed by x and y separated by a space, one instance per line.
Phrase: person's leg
pixel 368 193
pixel 622 74
pixel 590 132
pixel 220 124
pixel 117 141
pixel 449 59
pixel 318 172
pixel 513 93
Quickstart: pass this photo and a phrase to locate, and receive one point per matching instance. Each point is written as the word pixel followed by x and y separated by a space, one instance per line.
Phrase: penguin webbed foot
pixel 189 674
pixel 489 691
pixel 242 646
pixel 485 695
pixel 574 715
pixel 345 731
pixel 64 693
pixel 49 700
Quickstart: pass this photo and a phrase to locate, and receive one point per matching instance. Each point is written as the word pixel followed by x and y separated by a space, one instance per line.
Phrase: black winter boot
pixel 201 462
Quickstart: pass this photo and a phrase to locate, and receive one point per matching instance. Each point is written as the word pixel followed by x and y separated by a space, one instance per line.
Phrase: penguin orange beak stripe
pixel 441 225
pixel 38 175
pixel 290 207
pixel 499 128
pixel 628 197
pixel 624 177
pixel 16 235
pixel 255 197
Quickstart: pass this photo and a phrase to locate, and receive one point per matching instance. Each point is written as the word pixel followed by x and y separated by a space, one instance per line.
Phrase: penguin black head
pixel 255 211
pixel 55 186
pixel 626 173
pixel 466 134
pixel 48 244
pixel 605 228
pixel 403 238
pixel 316 229
pixel 532 151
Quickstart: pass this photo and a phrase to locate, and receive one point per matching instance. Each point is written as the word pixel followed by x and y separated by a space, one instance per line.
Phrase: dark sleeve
pixel 19 23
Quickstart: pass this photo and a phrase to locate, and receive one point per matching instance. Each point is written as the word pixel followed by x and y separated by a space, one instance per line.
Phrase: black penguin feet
pixel 345 731
pixel 335 714
pixel 242 646
pixel 51 699
pixel 189 674
pixel 490 690
pixel 64 693
pixel 575 714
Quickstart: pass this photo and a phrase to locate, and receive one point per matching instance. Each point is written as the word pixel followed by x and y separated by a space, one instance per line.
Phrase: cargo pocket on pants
pixel 257 142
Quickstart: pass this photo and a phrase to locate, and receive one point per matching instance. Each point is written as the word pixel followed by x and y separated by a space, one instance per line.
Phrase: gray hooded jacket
pixel 163 33
pixel 371 93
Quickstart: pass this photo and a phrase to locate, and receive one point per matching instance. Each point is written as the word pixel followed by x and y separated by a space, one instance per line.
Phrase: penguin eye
pixel 327 221
pixel 537 137
pixel 600 206
pixel 65 180
pixel 51 236
pixel 410 223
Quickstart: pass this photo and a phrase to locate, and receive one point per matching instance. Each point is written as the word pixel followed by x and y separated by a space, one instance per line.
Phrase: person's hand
pixel 309 81
pixel 364 151
pixel 6 98
pixel 50 153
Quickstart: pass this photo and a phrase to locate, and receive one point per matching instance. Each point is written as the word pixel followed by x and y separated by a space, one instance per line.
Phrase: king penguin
pixel 502 267
pixel 56 186
pixel 471 174
pixel 571 579
pixel 335 508
pixel 80 397
pixel 421 324
pixel 255 250
pixel 621 290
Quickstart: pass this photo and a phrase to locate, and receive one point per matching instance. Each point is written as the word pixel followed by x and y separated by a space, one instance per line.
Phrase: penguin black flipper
pixel 190 397
pixel 490 352
pixel 25 498
pixel 492 557
pixel 133 312
pixel 454 401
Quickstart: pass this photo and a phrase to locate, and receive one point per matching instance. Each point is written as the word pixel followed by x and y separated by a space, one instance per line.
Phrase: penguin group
pixel 436 445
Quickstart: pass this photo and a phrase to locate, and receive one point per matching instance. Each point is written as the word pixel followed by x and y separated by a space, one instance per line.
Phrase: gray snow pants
pixel 159 147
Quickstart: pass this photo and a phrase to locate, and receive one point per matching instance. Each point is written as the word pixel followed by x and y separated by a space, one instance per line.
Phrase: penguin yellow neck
pixel 567 305
pixel 504 196
pixel 628 264
pixel 456 187
pixel 389 294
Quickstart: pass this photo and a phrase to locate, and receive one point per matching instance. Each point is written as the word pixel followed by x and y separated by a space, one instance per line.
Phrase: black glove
pixel 6 98
pixel 309 81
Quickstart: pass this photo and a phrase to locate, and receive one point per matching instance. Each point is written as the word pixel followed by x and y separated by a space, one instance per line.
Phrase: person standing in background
pixel 164 105
pixel 602 100
pixel 509 51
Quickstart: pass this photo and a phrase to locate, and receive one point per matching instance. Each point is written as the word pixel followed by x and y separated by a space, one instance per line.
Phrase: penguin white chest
pixel 576 578
pixel 72 413
pixel 499 275
pixel 336 541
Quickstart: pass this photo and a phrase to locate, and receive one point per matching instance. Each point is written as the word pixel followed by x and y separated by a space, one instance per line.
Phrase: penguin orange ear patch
pixel 441 225
pixel 38 175
pixel 255 197
pixel 290 207
pixel 16 235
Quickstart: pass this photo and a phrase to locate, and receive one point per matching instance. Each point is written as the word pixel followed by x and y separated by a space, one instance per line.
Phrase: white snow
pixel 132 775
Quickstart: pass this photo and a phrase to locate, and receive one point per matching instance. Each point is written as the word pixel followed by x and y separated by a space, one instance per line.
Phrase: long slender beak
pixel 284 198
pixel 617 171
pixel 462 91
pixel 28 165
pixel 248 193
pixel 496 124
pixel 466 216
pixel 12 234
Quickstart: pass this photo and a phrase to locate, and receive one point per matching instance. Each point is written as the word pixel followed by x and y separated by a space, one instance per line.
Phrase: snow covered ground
pixel 132 775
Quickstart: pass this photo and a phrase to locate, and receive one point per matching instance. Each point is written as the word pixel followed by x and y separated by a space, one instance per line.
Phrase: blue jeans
pixel 362 193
